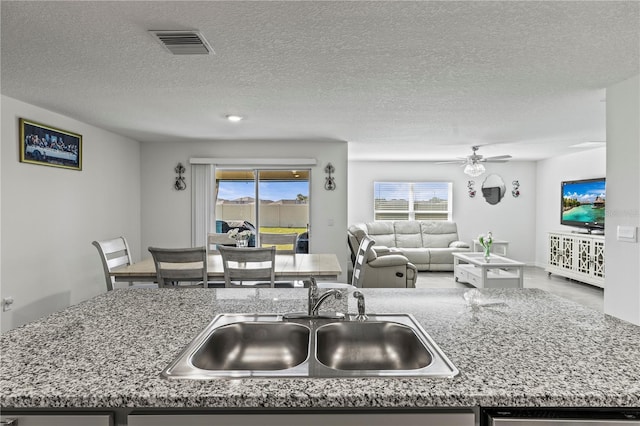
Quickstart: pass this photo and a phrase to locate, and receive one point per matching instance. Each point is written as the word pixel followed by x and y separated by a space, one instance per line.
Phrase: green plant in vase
pixel 485 242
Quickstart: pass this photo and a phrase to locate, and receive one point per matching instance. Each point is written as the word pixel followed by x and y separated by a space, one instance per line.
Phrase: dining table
pixel 288 267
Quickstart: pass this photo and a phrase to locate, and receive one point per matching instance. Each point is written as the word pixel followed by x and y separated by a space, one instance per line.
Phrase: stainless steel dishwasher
pixel 560 417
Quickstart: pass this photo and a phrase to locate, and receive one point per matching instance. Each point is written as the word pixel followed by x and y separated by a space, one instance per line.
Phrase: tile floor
pixel 534 277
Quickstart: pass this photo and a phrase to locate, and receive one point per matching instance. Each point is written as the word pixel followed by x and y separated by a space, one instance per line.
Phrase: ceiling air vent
pixel 183 42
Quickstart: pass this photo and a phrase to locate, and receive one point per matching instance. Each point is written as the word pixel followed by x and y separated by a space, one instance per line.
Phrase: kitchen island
pixel 513 347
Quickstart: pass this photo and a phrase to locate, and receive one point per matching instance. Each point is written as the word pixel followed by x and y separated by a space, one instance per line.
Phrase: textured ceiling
pixel 397 80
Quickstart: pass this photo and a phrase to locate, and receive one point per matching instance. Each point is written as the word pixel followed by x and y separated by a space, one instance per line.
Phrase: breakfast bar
pixel 512 347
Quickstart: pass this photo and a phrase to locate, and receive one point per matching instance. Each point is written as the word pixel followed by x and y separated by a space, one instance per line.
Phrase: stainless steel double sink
pixel 266 345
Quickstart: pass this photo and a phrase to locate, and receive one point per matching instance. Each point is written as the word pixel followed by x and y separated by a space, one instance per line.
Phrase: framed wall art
pixel 49 146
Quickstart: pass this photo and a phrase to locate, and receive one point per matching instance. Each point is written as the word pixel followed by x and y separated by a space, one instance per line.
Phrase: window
pixel 412 200
pixel 253 177
pixel 283 196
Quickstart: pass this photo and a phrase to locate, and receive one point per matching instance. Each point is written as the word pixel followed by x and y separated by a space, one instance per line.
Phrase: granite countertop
pixel 512 347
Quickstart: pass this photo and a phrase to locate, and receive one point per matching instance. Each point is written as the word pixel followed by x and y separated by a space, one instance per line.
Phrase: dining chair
pixel 280 240
pixel 360 260
pixel 358 270
pixel 115 253
pixel 214 240
pixel 249 266
pixel 176 265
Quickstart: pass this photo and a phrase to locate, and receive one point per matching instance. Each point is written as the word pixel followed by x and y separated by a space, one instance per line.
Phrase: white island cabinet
pixel 35 419
pixel 436 418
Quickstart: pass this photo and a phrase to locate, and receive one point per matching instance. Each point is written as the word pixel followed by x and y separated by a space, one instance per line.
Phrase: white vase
pixel 242 243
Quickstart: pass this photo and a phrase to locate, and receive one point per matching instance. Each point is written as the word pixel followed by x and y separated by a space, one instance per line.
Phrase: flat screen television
pixel 583 203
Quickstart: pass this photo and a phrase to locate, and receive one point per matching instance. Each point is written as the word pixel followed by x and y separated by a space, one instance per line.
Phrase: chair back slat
pixel 194 274
pixel 284 243
pixel 217 239
pixel 118 261
pixel 175 265
pixel 248 264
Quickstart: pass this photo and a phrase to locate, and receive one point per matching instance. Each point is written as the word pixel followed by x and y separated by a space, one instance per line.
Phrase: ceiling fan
pixel 472 163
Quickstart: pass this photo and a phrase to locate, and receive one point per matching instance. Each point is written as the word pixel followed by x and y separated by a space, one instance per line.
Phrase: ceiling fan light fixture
pixel 474 169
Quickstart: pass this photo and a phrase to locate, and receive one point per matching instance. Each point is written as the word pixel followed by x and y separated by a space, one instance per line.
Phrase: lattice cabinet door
pixel 598 258
pixel 555 251
pixel 584 255
pixel 566 261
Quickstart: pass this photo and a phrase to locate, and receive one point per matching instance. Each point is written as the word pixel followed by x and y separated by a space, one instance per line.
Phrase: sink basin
pixel 267 345
pixel 253 346
pixel 370 346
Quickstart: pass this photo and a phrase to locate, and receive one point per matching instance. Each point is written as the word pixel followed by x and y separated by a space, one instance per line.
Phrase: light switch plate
pixel 626 233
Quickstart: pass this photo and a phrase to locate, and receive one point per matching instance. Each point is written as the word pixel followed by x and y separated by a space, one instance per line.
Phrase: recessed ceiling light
pixel 234 118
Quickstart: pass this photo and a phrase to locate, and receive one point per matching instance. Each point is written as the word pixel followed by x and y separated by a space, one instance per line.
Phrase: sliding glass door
pixel 282 207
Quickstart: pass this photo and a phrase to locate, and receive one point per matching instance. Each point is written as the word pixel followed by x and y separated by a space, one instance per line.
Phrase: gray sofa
pixel 429 245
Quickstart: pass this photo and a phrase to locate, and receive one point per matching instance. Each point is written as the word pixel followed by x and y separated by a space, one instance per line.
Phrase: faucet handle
pixel 361 308
pixel 313 287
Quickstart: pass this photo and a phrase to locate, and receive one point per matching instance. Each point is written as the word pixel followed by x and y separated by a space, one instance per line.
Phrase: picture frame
pixel 49 146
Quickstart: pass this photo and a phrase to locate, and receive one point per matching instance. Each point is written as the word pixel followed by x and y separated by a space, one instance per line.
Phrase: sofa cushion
pixel 382 232
pixel 442 255
pixel 417 256
pixel 438 234
pixel 407 234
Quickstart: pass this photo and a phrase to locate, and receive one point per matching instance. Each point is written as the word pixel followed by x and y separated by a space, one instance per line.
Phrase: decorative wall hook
pixel 472 192
pixel 180 184
pixel 330 183
pixel 515 191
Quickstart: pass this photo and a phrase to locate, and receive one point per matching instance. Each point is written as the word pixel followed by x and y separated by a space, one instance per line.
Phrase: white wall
pixel 622 294
pixel 513 219
pixel 167 212
pixel 50 215
pixel 551 172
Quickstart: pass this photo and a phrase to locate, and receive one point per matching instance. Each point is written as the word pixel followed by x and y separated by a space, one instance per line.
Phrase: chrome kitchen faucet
pixel 315 300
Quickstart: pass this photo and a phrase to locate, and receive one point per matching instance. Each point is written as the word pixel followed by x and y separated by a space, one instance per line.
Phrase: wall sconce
pixel 330 183
pixel 472 192
pixel 180 184
pixel 515 191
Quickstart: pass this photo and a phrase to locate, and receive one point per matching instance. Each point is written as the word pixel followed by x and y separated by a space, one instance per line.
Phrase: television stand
pixel 579 257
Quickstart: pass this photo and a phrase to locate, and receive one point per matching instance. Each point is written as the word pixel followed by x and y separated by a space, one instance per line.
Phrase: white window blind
pixel 412 200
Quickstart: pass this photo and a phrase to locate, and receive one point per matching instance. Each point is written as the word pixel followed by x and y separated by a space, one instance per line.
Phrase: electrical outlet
pixel 6 303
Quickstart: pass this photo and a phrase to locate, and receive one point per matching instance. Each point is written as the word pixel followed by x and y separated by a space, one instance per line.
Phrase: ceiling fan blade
pixel 450 162
pixel 497 157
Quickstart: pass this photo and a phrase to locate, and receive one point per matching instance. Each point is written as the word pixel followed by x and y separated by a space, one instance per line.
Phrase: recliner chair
pixel 385 269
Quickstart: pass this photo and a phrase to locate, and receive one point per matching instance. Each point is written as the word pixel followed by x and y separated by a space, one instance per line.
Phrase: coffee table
pixel 497 272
